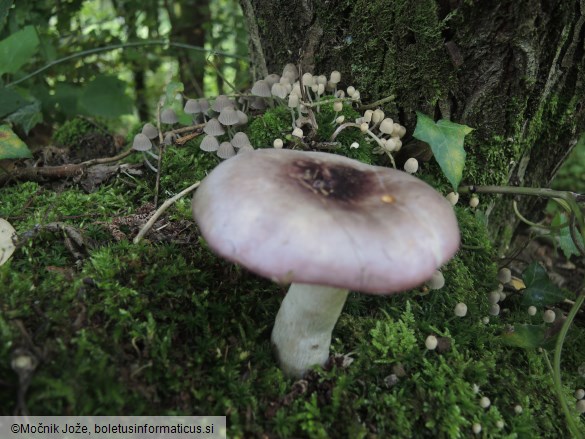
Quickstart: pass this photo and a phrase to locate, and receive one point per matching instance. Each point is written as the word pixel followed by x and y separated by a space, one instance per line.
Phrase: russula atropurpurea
pixel 327 224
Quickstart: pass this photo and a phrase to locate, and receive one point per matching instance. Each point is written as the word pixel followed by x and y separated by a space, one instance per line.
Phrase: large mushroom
pixel 328 224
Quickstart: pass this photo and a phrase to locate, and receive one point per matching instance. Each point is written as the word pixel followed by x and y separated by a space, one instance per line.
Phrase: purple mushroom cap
pixel 324 219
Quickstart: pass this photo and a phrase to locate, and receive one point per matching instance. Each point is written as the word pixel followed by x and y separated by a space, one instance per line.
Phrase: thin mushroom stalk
pixel 302 330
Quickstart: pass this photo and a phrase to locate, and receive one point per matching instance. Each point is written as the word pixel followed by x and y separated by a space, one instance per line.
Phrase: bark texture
pixel 513 70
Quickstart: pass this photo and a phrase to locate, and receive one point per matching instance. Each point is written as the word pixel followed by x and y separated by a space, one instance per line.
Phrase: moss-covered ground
pixel 166 327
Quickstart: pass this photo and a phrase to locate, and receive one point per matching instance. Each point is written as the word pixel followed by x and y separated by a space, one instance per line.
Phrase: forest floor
pixel 165 327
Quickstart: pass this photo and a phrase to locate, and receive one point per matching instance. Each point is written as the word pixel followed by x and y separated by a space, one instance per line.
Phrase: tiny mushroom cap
pixel 460 309
pixel 378 116
pixel 261 89
pixel 436 281
pixel 226 150
pixel 242 117
pixel 328 224
pixel 279 90
pixel 504 275
pixel 209 143
pixel 221 102
pixel 240 139
pixel 169 116
pixel 272 79
pixel 149 130
pixel 278 143
pixel 213 127
pixel 386 126
pixel 431 342
pixel 245 148
pixel 291 71
pixel 453 197
pixel 549 316
pixel 297 132
pixel 411 165
pixel 192 106
pixel 203 104
pixel 335 77
pixel 228 116
pixel 169 139
pixel 141 142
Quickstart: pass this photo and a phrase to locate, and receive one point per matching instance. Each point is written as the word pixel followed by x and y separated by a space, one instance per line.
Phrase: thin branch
pixel 161 210
pixel 123 46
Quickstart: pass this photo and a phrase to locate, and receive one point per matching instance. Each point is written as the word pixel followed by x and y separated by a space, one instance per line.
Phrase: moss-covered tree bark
pixel 513 70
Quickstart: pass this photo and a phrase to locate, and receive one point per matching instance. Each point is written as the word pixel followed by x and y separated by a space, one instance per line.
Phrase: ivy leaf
pixel 11 147
pixel 565 240
pixel 446 140
pixel 17 49
pixel 105 96
pixel 540 290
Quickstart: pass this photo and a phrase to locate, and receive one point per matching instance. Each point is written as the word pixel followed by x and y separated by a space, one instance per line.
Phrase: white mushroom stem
pixel 302 330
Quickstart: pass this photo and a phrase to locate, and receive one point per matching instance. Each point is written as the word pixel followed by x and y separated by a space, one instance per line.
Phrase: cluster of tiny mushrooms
pixel 324 223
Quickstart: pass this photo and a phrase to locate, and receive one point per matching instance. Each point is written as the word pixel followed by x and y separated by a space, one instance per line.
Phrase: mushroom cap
pixel 318 218
pixel 150 131
pixel 240 139
pixel 209 143
pixel 169 116
pixel 261 88
pixel 213 127
pixel 141 142
pixel 228 116
pixel 225 150
pixel 221 102
pixel 192 107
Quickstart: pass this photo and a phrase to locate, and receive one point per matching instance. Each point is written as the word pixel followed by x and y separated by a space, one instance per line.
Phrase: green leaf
pixel 534 274
pixel 540 290
pixel 11 147
pixel 171 92
pixel 10 101
pixel 27 117
pixel 525 336
pixel 174 100
pixel 565 240
pixel 446 140
pixel 17 49
pixel 105 96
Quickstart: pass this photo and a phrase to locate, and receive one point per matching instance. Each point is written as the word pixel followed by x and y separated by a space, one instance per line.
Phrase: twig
pixel 377 103
pixel 161 210
pixel 54 172
pixel 161 151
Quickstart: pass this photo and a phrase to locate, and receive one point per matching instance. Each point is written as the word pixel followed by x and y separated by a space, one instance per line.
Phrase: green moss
pixel 73 131
pixel 275 123
pixel 169 328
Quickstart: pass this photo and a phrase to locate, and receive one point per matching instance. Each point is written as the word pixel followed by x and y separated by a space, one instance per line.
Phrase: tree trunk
pixel 189 20
pixel 513 70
